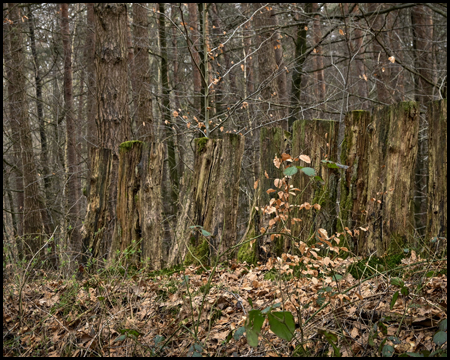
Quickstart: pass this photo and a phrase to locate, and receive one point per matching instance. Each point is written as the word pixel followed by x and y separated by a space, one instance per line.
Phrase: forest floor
pixel 198 311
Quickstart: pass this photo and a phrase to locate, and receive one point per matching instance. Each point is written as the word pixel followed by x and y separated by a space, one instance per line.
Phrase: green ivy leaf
pixel 290 171
pixel 404 291
pixel 282 324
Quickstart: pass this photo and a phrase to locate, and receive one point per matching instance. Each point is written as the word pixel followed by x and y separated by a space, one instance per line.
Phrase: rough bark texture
pixel 14 125
pixel 194 44
pixel 272 144
pixel 91 132
pixel 267 65
pixel 391 154
pixel 97 213
pixel 32 220
pixel 437 165
pixel 422 22
pixel 354 182
pixel 113 122
pixel 141 72
pixel 300 49
pixel 150 205
pixel 316 139
pixel 127 232
pixel 73 185
pixel 213 184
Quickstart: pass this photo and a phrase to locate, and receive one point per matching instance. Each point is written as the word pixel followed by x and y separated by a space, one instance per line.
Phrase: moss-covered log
pixel 127 233
pixel 209 199
pixel 316 139
pixel 437 165
pixel 391 155
pixel 353 183
pixel 97 221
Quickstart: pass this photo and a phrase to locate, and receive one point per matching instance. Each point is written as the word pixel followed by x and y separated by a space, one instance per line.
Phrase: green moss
pixel 136 198
pixel 128 145
pixel 200 252
pixel 247 252
pixel 201 143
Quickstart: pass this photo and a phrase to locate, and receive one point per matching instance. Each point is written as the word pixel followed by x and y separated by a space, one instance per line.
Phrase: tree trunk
pixel 91 129
pixel 319 74
pixel 316 139
pixel 437 165
pixel 209 199
pixel 73 186
pixel 113 122
pixel 268 68
pixel 300 50
pixel 150 205
pixel 194 45
pixel 32 220
pixel 391 154
pixel 97 223
pixel 14 126
pixel 353 185
pixel 271 144
pixel 141 72
pixel 422 24
pixel 127 232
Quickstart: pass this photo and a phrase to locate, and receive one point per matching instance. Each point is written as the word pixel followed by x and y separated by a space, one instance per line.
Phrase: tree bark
pixel 73 186
pixel 422 24
pixel 209 199
pixel 141 72
pixel 267 66
pixel 150 205
pixel 113 123
pixel 316 139
pixel 194 45
pixel 32 220
pixel 353 198
pixel 391 153
pixel 437 165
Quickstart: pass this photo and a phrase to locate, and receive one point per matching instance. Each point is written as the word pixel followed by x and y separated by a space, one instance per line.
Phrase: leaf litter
pixel 158 315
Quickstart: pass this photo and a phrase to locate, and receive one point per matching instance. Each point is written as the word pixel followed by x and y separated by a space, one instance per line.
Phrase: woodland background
pixel 143 137
pixel 170 73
